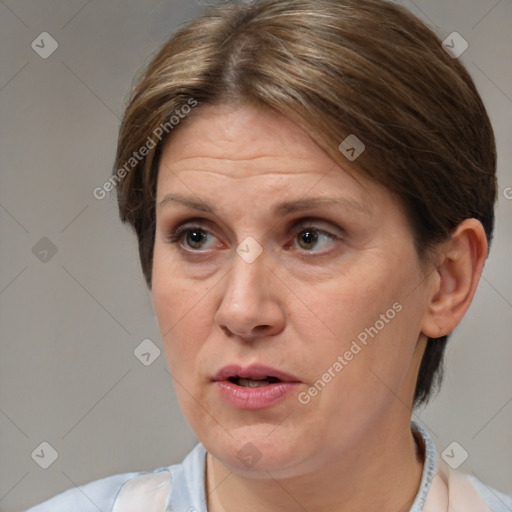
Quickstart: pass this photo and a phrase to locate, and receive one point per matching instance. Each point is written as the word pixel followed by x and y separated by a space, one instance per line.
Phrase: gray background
pixel 70 324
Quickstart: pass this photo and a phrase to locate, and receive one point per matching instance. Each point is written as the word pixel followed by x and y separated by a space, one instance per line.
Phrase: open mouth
pixel 255 386
pixel 253 383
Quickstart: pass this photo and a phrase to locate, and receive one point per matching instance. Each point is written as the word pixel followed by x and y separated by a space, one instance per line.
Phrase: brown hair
pixel 335 67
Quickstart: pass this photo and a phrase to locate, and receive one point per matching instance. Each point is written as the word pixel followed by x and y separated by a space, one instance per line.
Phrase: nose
pixel 251 307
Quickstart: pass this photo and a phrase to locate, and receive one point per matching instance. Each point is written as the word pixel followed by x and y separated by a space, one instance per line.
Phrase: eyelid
pixel 330 228
pixel 179 225
pixel 211 223
pixel 176 235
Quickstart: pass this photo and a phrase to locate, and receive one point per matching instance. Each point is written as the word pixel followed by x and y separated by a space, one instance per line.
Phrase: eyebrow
pixel 189 202
pixel 281 210
pixel 300 205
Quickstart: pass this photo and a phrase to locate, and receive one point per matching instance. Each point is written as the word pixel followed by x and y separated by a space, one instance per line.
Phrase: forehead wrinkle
pixel 248 167
pixel 246 176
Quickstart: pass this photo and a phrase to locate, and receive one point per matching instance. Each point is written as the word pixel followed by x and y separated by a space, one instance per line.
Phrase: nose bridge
pixel 246 282
pixel 249 301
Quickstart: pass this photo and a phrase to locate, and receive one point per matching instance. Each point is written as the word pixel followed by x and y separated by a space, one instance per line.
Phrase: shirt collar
pixel 429 468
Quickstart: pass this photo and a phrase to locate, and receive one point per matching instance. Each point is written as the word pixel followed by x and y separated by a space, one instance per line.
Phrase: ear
pixel 460 262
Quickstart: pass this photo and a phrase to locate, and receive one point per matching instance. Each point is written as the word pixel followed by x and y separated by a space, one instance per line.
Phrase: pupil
pixel 195 238
pixel 308 239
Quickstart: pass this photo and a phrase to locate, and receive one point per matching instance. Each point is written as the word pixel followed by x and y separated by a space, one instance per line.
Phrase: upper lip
pixel 253 371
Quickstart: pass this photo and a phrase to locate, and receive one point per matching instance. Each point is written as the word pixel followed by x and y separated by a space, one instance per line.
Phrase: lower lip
pixel 260 397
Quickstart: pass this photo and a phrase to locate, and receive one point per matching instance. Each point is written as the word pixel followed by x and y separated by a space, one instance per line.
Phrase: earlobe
pixel 460 263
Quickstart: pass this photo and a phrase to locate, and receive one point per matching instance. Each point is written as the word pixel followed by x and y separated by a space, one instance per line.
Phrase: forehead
pixel 230 155
pixel 243 141
pixel 241 155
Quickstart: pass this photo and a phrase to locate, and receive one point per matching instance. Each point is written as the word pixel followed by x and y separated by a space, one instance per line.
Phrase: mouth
pixel 254 375
pixel 255 386
pixel 253 383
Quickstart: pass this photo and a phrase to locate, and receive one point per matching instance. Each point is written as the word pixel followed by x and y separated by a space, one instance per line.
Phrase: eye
pixel 311 238
pixel 193 238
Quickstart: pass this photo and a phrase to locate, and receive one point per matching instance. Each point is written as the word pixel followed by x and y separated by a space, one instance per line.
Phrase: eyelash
pixel 177 236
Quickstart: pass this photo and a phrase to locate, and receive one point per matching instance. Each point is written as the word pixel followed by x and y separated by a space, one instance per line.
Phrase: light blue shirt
pixel 187 488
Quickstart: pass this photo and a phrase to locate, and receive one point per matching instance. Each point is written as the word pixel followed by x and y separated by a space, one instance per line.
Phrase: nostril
pixel 226 331
pixel 262 327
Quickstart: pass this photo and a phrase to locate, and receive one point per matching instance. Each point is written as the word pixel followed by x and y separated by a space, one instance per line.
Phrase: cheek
pixel 346 306
pixel 184 325
pixel 370 315
pixel 181 310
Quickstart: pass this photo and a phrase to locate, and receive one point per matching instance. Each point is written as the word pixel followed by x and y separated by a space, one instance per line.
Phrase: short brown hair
pixel 335 67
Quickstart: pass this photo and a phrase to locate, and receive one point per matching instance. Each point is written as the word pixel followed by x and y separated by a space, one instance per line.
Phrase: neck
pixel 380 474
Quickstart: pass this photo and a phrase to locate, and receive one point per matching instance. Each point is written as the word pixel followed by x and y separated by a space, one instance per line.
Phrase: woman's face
pixel 289 294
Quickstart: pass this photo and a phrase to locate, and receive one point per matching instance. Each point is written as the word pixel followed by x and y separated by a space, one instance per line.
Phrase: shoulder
pixel 148 492
pixel 464 492
pixel 91 497
pixel 495 500
pixel 177 487
pixel 143 490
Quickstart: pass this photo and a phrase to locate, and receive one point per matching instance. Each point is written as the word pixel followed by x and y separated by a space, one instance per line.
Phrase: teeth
pixel 251 383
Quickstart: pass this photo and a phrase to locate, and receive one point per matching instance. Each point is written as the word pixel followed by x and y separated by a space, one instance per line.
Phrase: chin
pixel 251 451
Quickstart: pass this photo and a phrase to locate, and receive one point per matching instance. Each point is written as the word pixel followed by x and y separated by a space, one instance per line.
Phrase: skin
pixel 297 307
